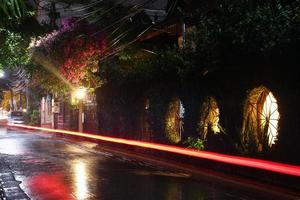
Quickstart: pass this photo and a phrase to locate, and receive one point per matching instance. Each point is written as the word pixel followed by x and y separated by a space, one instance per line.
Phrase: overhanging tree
pixel 12 8
pixel 239 31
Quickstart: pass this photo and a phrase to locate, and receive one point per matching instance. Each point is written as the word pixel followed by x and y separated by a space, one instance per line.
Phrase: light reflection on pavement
pixel 50 168
pixel 80 179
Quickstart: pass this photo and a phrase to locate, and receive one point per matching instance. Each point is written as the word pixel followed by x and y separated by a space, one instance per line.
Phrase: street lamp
pixel 1 73
pixel 80 94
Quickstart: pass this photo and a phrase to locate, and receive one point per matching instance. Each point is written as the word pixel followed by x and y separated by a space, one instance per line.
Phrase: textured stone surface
pixel 10 187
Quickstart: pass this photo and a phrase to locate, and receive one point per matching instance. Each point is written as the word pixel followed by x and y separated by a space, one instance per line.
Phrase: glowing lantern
pixel 269 118
pixel 80 93
pixel 261 117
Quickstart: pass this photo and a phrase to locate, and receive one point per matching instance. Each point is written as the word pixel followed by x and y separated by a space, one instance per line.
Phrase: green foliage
pixel 135 74
pixel 194 143
pixel 236 30
pixel 12 8
pixel 137 66
pixel 13 50
pixel 33 117
pixel 13 12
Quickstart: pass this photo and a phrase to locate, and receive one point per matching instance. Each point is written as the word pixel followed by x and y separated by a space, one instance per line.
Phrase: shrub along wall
pixel 122 106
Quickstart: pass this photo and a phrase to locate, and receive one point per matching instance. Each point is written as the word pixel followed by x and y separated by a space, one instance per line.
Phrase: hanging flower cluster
pixel 75 49
pixel 81 55
pixel 45 44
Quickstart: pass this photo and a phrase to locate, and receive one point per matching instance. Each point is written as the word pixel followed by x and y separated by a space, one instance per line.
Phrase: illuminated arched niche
pixel 260 120
pixel 209 118
pixel 174 120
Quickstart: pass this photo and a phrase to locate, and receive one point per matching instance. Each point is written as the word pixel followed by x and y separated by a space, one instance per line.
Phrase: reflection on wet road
pixel 50 168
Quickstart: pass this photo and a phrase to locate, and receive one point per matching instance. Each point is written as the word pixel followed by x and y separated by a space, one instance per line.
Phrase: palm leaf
pixel 3 7
pixel 17 8
pixel 12 8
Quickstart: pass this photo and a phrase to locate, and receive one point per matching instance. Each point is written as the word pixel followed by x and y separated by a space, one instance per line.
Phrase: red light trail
pixel 293 170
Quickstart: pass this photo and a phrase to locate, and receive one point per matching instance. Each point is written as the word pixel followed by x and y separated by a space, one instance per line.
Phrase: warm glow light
pixel 270 117
pixel 234 160
pixel 80 176
pixel 80 93
pixel 1 73
pixel 174 120
pixel 215 120
pixel 210 117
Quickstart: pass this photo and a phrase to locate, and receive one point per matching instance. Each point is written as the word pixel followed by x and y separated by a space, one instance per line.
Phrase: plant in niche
pixel 194 143
pixel 209 119
pixel 173 121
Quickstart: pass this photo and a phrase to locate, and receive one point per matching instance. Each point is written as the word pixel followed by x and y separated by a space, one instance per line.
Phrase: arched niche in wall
pixel 209 118
pixel 260 120
pixel 174 120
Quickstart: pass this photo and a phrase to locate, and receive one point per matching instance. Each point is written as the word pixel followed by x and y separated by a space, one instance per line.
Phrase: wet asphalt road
pixel 44 167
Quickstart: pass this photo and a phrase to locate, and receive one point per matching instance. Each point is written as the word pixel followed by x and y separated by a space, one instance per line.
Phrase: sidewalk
pixel 9 186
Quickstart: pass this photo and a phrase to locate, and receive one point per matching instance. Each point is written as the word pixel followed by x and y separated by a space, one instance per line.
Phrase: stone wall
pixel 121 110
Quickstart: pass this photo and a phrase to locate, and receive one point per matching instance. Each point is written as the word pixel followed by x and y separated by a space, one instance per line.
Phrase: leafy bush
pixel 245 29
pixel 172 125
pixel 35 117
pixel 194 143
pixel 32 117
